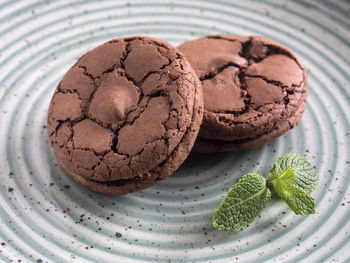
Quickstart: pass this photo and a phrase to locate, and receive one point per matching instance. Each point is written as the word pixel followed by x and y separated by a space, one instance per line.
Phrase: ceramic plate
pixel 46 217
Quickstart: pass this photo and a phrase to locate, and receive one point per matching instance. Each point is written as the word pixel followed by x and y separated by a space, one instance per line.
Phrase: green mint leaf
pixel 242 203
pixel 299 200
pixel 287 177
pixel 305 174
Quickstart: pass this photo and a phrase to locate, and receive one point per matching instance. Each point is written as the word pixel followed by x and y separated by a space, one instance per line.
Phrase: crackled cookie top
pixel 122 109
pixel 250 84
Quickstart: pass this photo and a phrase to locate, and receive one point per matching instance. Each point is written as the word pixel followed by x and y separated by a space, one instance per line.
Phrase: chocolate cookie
pixel 126 115
pixel 254 90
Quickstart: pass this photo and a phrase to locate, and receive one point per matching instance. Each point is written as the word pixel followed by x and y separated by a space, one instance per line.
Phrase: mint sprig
pixel 242 203
pixel 292 177
pixel 299 200
pixel 305 174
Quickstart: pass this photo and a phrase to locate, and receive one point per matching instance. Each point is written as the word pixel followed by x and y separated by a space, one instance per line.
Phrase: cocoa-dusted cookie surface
pixel 125 115
pixel 254 90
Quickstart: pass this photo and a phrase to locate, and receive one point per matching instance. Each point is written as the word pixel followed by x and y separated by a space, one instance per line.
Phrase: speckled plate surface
pixel 47 217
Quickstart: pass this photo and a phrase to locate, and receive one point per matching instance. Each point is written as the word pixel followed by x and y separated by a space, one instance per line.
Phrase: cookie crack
pixel 181 61
pixel 131 157
pixel 244 94
pixel 274 82
pixel 69 121
pixel 234 122
pixel 111 69
pixel 218 70
pixel 71 124
pixel 122 62
pixel 93 168
pixel 59 124
pixel 286 98
pixel 108 168
pixel 92 150
pixel 273 50
pixel 115 143
pixel 157 44
pixel 156 94
pixel 223 38
pixel 153 72
pixel 68 91
pixel 86 73
pixel 91 77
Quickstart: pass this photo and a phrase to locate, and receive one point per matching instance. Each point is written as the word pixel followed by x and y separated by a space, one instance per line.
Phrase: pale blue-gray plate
pixel 46 217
